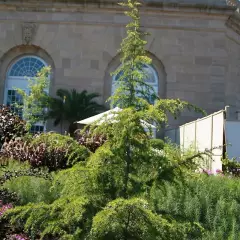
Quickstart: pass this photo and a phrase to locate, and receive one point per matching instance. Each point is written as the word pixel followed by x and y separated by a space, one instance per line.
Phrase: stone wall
pixel 196 55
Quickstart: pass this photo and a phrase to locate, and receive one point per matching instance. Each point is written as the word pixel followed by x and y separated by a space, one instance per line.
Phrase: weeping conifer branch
pixel 132 90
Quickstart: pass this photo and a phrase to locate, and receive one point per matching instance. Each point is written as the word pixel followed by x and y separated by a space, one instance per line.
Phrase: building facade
pixel 194 45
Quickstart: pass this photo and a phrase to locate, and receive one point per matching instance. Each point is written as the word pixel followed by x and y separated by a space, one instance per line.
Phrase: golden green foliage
pixel 133 219
pixel 132 90
pixel 66 218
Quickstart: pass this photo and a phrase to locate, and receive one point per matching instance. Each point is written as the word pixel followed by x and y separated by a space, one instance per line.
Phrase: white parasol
pixel 109 116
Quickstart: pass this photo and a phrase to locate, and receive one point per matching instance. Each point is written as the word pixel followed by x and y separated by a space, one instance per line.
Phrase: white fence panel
pixel 206 133
pixel 181 136
pixel 189 135
pixel 217 140
pixel 203 139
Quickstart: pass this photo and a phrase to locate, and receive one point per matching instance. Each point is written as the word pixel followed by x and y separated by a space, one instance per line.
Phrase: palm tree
pixel 72 106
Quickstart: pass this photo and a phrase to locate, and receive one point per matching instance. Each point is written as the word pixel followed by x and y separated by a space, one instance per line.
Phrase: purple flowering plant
pixel 18 237
pixel 4 207
pixel 208 172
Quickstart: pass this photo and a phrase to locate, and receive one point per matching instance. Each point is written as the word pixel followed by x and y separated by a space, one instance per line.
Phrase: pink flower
pixel 208 172
pixel 4 208
pixel 19 237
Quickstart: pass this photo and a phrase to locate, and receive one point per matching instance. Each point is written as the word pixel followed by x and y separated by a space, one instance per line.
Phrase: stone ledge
pixel 233 22
pixel 199 4
pixel 178 2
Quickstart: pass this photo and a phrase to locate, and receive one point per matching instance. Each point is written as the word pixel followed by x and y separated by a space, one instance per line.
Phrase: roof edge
pixel 48 4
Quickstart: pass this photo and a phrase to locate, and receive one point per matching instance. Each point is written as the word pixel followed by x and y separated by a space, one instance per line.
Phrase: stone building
pixel 194 44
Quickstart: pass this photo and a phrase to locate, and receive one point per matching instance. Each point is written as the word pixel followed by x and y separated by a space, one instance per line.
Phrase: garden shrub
pixel 10 125
pixel 19 184
pixel 157 143
pixel 30 189
pixel 52 150
pixel 66 218
pixel 16 169
pixel 133 219
pixel 213 201
pixel 82 193
pixel 78 181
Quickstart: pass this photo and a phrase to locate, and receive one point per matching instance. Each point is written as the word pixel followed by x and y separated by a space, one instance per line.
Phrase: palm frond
pixel 77 105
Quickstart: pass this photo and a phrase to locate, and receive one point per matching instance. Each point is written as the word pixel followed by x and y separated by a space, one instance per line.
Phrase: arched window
pixel 26 67
pixel 17 77
pixel 151 79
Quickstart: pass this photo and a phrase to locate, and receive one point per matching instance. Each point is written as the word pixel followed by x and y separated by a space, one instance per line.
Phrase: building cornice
pixel 233 21
pixel 209 6
pixel 205 9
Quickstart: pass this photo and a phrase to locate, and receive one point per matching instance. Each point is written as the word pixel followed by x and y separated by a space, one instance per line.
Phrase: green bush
pixel 157 143
pixel 25 184
pixel 66 218
pixel 31 189
pixel 211 201
pixel 133 219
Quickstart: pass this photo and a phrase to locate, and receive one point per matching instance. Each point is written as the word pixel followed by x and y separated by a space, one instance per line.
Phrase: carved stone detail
pixel 28 32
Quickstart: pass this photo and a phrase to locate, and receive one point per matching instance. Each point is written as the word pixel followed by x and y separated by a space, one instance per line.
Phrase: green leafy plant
pixel 72 106
pixel 35 103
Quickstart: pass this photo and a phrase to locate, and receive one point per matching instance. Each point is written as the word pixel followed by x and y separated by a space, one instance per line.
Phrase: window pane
pixel 14 98
pixel 37 129
pixel 24 67
pixel 28 66
pixel 151 79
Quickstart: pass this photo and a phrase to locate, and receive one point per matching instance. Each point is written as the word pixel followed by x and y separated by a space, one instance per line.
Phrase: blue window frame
pixel 17 77
pixel 26 67
pixel 151 79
